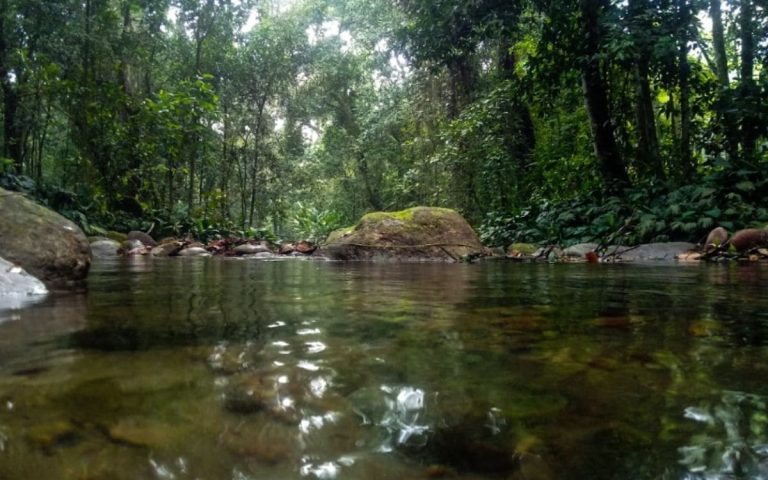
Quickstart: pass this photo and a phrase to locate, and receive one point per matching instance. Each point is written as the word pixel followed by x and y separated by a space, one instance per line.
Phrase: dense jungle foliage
pixel 539 120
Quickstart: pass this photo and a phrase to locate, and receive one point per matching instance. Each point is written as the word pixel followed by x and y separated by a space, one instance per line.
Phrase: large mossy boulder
pixel 42 242
pixel 416 234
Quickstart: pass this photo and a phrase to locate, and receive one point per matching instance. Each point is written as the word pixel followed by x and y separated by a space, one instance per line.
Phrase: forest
pixel 538 120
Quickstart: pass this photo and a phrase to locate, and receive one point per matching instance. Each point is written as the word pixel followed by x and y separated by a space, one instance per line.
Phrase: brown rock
pixel 287 248
pixel 716 238
pixel 141 433
pixel 167 249
pixel 305 247
pixel 747 239
pixel 48 434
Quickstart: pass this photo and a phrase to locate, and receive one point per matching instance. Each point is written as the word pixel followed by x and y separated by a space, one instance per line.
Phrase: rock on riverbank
pixel 415 234
pixel 42 242
pixel 17 287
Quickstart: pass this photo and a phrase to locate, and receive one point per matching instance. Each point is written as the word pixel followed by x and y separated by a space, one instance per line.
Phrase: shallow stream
pixel 244 369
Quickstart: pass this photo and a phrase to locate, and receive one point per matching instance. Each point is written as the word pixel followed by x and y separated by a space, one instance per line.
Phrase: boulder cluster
pixel 141 243
pixel 747 244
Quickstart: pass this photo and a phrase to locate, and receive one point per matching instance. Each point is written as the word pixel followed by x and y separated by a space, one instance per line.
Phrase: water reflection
pixel 731 441
pixel 252 370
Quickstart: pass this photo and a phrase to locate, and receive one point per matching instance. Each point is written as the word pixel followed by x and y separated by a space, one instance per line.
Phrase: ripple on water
pixel 290 371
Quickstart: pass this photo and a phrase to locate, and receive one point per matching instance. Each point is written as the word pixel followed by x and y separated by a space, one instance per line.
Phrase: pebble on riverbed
pixel 47 435
pixel 249 395
pixel 141 433
pixel 265 442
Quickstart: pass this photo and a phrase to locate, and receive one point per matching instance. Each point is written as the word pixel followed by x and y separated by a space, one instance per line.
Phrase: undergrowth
pixel 646 213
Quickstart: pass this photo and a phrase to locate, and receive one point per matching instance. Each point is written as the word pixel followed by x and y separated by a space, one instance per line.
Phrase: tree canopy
pixel 543 120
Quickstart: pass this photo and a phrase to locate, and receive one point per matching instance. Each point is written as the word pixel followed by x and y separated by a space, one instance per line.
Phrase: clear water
pixel 243 369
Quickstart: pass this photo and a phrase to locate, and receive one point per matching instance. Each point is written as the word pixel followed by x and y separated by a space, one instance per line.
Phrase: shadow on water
pixel 237 369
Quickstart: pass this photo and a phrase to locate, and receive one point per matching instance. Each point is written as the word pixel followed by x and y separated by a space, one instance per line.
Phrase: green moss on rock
pixel 338 234
pixel 415 234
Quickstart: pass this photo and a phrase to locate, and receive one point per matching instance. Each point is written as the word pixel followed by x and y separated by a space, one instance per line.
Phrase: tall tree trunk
pixel 647 139
pixel 747 88
pixel 373 199
pixel 684 72
pixel 462 80
pixel 522 114
pixel 746 34
pixel 226 166
pixel 721 67
pixel 12 133
pixel 254 176
pixel 192 146
pixel 718 42
pixel 595 89
pixel 649 161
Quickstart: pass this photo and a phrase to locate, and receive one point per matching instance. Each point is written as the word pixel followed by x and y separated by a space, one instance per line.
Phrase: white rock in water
pixel 193 252
pixel 17 287
pixel 249 249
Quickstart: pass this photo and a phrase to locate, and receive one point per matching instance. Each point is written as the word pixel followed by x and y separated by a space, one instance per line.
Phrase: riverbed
pixel 211 368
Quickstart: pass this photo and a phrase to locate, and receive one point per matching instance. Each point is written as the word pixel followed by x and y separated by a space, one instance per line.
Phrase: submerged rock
pixel 267 443
pixel 416 234
pixel 46 435
pixel 249 394
pixel 141 433
pixel 42 242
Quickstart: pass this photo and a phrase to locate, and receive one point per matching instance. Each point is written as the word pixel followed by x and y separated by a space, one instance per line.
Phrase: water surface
pixel 243 369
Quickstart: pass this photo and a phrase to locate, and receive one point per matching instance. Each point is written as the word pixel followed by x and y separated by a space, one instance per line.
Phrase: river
pixel 244 369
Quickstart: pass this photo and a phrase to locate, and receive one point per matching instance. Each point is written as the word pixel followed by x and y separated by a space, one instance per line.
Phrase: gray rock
pixel 194 252
pixel 649 252
pixel 17 287
pixel 42 242
pixel 104 248
pixel 250 249
pixel 129 245
pixel 580 249
pixel 142 237
pixel 498 251
pixel 264 255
